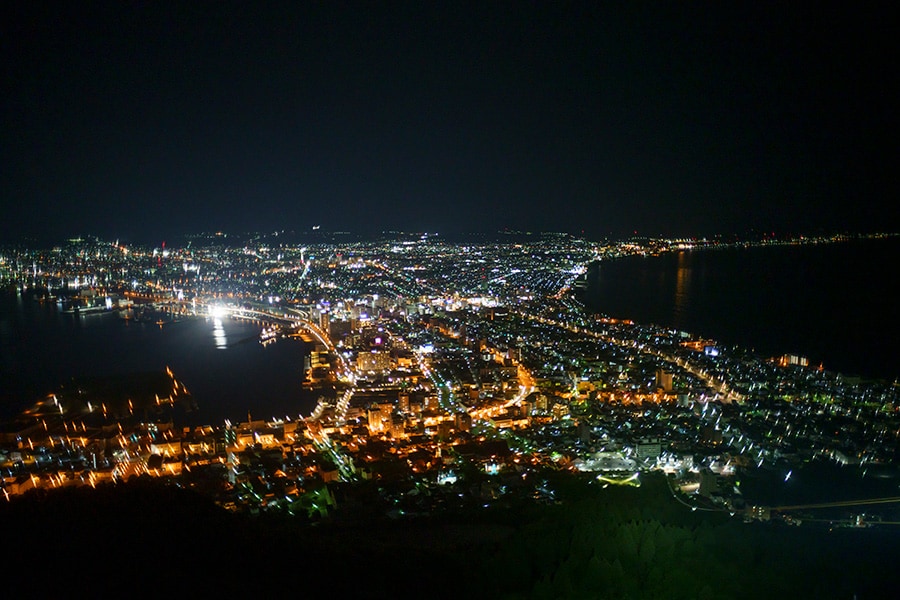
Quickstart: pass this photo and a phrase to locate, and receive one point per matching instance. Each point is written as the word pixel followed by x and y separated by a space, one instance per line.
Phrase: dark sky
pixel 146 120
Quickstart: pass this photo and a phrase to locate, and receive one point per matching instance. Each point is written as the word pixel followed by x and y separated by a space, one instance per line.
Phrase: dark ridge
pixel 148 538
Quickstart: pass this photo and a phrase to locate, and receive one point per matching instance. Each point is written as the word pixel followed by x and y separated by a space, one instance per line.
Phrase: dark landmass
pixel 153 396
pixel 123 395
pixel 149 538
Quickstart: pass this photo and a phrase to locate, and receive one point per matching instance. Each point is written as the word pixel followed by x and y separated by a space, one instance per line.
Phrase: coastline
pixel 827 302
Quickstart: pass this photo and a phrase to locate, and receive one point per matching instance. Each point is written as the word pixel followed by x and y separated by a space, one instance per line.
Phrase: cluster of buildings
pixel 451 374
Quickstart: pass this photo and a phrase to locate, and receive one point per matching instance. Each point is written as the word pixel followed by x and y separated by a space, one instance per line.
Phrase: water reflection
pixel 682 289
pixel 219 334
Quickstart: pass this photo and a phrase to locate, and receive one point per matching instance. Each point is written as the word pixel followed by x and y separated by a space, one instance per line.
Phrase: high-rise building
pixel 463 421
pixel 648 449
pixel 373 361
pixel 663 380
pixel 377 420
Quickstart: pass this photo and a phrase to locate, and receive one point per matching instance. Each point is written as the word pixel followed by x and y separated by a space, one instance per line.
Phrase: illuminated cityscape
pixel 467 300
pixel 453 376
pixel 432 359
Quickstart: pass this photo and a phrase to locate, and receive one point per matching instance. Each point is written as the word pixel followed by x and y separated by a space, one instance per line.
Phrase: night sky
pixel 148 120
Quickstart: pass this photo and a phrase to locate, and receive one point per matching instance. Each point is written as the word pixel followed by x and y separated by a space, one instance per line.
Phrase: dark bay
pixel 832 303
pixel 225 368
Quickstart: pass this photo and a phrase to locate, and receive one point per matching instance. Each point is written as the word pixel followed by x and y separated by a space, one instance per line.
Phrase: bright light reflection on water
pixel 219 334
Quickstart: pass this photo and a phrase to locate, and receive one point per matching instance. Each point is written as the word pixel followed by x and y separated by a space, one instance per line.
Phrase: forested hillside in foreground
pixel 153 539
